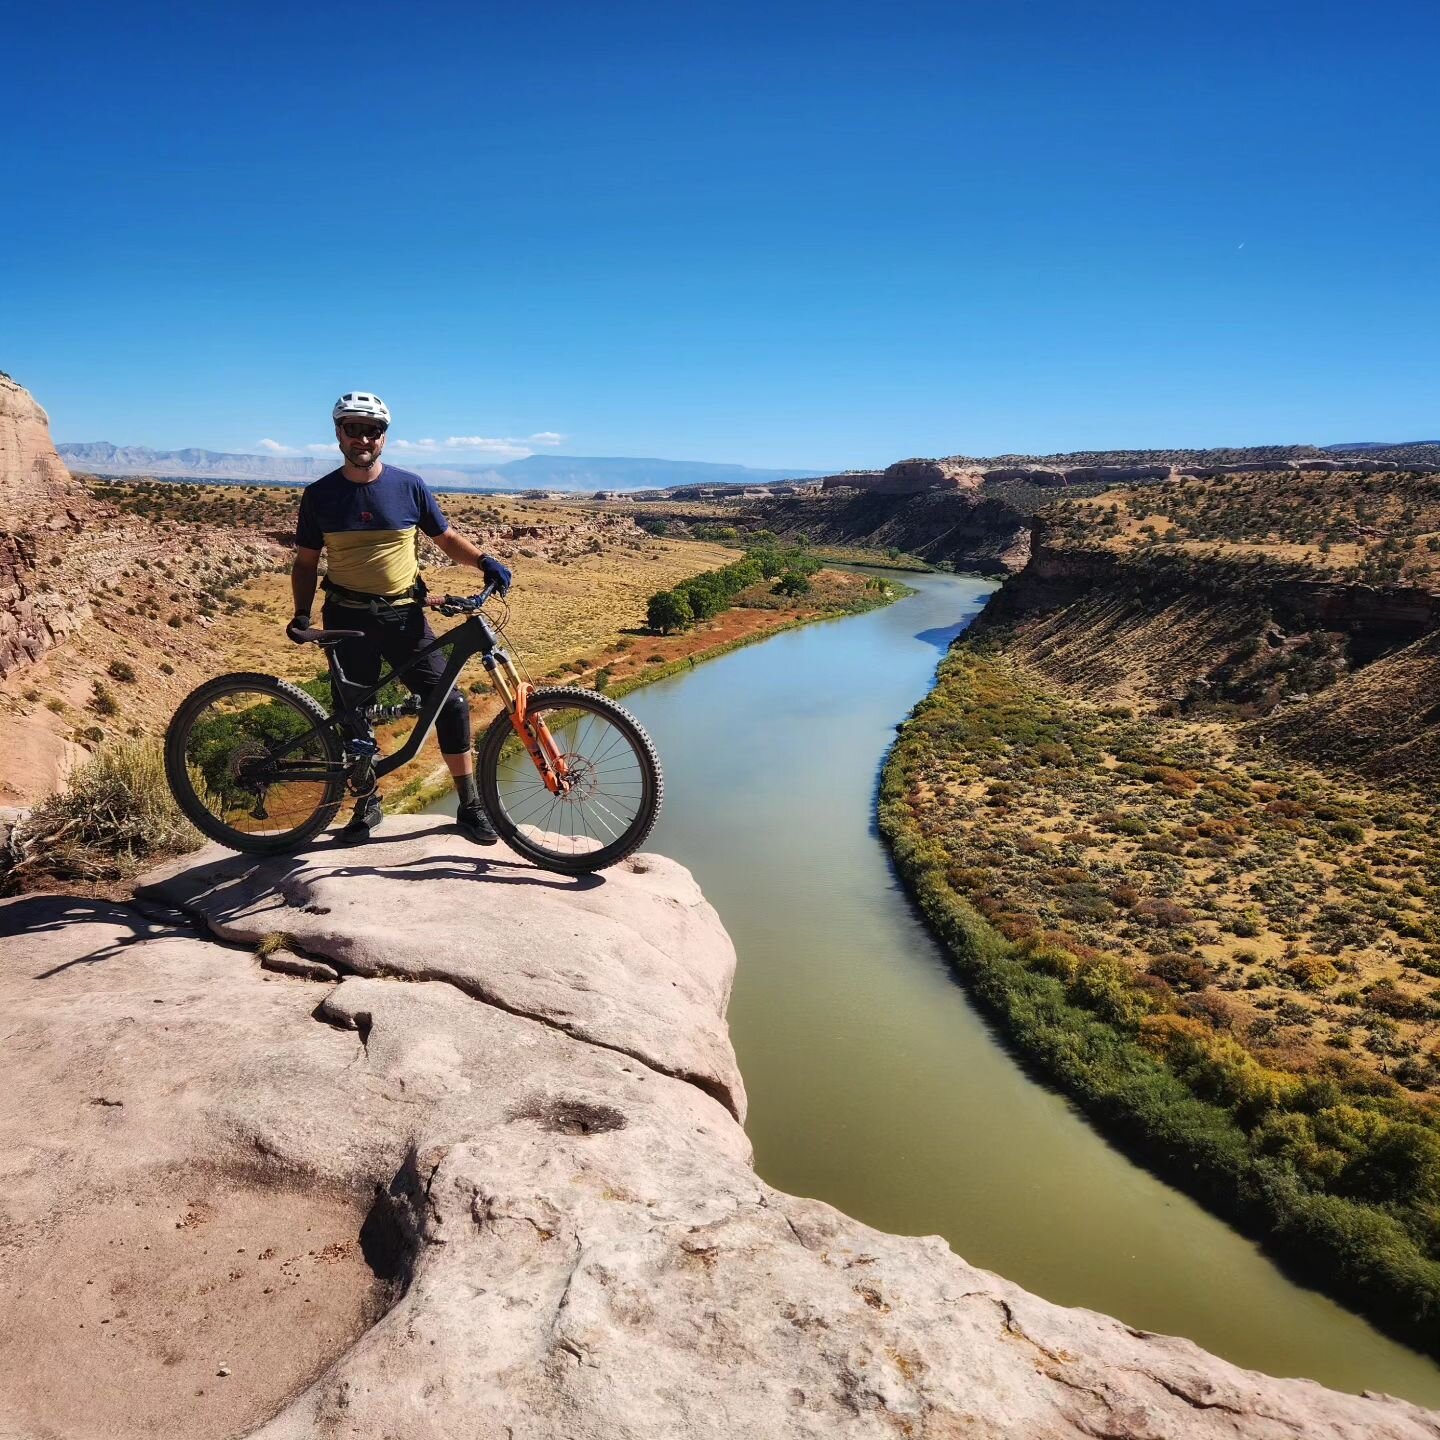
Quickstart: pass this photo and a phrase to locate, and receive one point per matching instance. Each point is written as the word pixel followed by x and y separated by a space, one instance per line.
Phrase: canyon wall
pixel 41 507
pixel 1329 670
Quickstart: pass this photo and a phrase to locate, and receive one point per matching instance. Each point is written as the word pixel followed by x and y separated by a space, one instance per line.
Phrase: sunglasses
pixel 361 430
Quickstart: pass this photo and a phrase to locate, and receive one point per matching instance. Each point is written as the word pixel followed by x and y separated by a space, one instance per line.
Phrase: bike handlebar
pixel 463 604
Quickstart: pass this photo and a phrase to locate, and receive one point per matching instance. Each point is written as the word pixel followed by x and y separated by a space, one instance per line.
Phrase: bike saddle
pixel 326 637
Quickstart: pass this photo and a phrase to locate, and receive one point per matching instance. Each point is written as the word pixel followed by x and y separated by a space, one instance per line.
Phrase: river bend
pixel 874 1083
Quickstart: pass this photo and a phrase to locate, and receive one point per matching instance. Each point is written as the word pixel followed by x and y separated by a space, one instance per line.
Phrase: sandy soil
pixel 130 1322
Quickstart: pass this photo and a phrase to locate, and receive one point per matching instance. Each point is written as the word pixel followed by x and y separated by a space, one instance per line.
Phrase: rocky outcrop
pixel 1291 467
pixel 1033 474
pixel 853 480
pixel 41 508
pixel 36 491
pixel 481 1174
pixel 1116 474
pixel 1246 467
pixel 916 477
pixel 1377 618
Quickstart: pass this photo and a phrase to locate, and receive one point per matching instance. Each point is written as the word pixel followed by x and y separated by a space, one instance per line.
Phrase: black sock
pixel 465 789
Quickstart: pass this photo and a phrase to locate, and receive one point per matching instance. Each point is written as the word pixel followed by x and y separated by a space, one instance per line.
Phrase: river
pixel 874 1083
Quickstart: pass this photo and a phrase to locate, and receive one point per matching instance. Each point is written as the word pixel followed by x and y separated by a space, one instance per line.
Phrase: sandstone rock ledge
pixel 477 1171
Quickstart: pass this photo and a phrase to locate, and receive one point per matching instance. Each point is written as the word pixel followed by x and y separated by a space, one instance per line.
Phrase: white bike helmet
pixel 360 406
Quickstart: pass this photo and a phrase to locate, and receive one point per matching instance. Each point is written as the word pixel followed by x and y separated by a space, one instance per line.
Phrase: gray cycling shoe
pixel 475 825
pixel 367 816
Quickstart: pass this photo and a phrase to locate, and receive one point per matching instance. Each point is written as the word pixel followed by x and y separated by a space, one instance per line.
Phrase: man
pixel 367 515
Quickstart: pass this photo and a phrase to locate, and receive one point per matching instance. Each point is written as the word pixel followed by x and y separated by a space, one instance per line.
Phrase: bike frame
pixel 473 636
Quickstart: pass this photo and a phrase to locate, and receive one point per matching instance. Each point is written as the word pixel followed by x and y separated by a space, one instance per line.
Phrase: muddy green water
pixel 874 1083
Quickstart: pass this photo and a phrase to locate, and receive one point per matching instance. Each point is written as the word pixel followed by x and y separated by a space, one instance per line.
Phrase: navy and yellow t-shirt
pixel 369 531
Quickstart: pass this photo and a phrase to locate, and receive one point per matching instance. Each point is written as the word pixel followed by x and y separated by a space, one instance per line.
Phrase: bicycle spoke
pixel 609 790
pixel 227 754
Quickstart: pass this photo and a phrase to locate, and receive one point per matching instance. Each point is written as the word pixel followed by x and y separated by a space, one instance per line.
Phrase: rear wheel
pixel 614 791
pixel 236 773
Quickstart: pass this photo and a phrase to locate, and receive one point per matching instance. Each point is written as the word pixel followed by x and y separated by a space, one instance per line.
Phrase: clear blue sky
pixel 781 234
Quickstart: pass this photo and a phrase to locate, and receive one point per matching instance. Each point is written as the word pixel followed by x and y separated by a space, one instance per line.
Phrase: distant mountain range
pixel 539 472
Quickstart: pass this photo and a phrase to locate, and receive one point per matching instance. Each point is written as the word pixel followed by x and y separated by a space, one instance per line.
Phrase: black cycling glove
pixel 298 624
pixel 495 573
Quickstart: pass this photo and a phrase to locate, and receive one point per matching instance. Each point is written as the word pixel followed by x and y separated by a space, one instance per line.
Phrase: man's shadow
pixel 154 915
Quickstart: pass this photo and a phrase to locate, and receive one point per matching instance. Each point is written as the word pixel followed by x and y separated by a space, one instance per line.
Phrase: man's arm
pixel 458 548
pixel 303 574
pixel 462 552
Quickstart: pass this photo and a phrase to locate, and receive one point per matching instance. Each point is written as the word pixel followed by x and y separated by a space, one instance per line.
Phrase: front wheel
pixel 614 789
pixel 255 763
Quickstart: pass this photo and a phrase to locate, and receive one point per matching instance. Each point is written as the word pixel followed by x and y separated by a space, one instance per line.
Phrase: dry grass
pixel 1304 906
pixel 214 560
pixel 1382 527
pixel 116 816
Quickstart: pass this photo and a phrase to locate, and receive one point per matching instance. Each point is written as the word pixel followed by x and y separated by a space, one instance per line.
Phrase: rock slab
pixel 538 1226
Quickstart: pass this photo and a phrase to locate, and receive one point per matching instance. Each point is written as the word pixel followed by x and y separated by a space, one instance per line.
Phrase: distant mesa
pixel 958 472
pixel 916 477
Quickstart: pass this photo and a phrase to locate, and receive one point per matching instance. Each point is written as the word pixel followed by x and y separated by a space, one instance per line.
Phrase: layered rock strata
pixel 36 491
pixel 1378 618
pixel 916 477
pixel 39 504
pixel 478 1170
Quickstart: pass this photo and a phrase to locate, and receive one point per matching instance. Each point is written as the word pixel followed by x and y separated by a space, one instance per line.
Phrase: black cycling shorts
pixel 392 639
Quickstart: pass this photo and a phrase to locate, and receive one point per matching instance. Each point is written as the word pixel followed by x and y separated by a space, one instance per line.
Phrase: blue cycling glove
pixel 495 573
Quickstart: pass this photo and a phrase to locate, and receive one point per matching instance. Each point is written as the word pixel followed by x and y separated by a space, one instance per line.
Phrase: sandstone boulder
pixel 636 960
pixel 37 499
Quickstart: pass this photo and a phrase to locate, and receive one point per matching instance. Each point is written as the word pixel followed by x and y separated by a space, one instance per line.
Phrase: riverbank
pixel 1175 930
pixel 631 660
pixel 875 1083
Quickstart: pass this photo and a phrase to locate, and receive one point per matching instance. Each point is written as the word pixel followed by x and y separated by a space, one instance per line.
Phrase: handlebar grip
pixel 463 602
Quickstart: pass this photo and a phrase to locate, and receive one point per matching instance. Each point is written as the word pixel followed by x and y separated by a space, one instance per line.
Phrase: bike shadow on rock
pixel 169 908
pixel 332 857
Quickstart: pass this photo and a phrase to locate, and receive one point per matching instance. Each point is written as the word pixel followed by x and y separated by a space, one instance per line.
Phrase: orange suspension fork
pixel 534 734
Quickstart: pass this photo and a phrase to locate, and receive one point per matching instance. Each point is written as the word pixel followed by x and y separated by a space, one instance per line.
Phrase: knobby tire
pixel 595 828
pixel 268 703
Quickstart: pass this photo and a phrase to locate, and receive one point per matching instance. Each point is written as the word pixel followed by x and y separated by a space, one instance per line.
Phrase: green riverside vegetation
pixel 703 596
pixel 1334 1164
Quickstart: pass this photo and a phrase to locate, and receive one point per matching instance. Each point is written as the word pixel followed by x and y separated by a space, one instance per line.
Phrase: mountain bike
pixel 569 778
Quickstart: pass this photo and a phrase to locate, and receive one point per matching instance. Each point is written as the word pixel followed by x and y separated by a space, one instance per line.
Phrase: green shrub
pixel 668 612
pixel 1313 972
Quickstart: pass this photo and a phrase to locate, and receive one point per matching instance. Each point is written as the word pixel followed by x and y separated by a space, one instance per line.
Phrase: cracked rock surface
pixel 487 1181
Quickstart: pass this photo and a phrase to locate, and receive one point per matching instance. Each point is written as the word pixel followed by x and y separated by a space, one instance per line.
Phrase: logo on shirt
pixel 366 517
